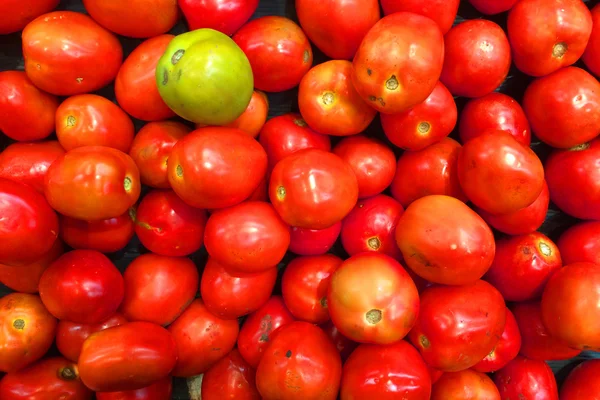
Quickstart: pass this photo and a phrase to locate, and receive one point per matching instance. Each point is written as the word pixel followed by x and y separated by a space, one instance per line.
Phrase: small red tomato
pixel 82 286
pixel 278 50
pixel 443 12
pixel 344 345
pixel 581 243
pixel 424 124
pixel 526 379
pixel 506 350
pixel 230 378
pixel 492 7
pixel 466 384
pixel 313 242
pixel 26 113
pixel 254 117
pixel 567 28
pixel 582 382
pixel 17 14
pixel 106 236
pixel 231 294
pixel 591 56
pixel 304 286
pixel 225 16
pixel 158 390
pixel 399 62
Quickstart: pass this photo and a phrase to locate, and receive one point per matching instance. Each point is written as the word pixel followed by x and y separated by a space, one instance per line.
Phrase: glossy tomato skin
pixel 26 112
pixel 230 378
pixel 385 372
pixel 492 7
pixel 444 241
pixel 82 286
pixel 344 345
pixel 527 378
pixel 253 119
pixel 106 235
pixel 581 243
pixel 424 124
pixel 17 14
pixel 225 16
pixel 313 242
pixel 62 49
pixel 458 325
pixel 27 330
pixel 466 384
pixel 278 50
pixel 506 350
pixel 582 382
pixel 443 12
pixel 159 390
pixel 591 56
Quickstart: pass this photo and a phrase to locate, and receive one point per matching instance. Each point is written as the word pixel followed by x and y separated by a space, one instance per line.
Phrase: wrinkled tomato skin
pixel 106 236
pixel 82 286
pixel 385 373
pixel 27 330
pixel 529 379
pixel 62 49
pixel 253 119
pixel 226 16
pixel 344 345
pixel 17 14
pixel 581 243
pixel 230 378
pixel 443 241
pixel 492 7
pixel 158 390
pixel 443 12
pixel 26 113
pixel 591 56
pixel 458 325
pixel 506 350
pixel 466 384
pixel 147 298
pixel 313 242
pixel 582 382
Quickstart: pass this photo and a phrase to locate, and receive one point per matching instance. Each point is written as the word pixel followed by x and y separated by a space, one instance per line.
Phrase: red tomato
pixel 229 294
pixel 301 362
pixel 148 298
pixel 26 330
pixel 278 50
pixel 313 189
pixel 527 379
pixel 16 14
pixel 582 382
pixel 371 160
pixel 159 390
pixel 61 51
pixel 443 12
pixel 344 345
pixel 372 299
pixel 106 236
pixel 225 16
pixel 424 124
pixel 202 339
pixel 261 191
pixel 458 326
pixel 230 378
pixel 28 227
pixel 494 111
pixel 253 119
pixel 567 28
pixel 385 373
pixel 591 56
pixel 506 350
pixel 492 7
pixel 93 183
pixel 536 342
pixel 313 242
pixel 26 113
pixel 259 327
pixel 581 243
pixel 467 385
pixel 444 241
pixel 82 286
pixel 399 62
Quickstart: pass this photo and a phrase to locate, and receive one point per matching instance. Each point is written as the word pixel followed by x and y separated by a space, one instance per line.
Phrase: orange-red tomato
pixel 581 243
pixel 230 378
pixel 506 350
pixel 159 390
pixel 582 382
pixel 443 12
pixel 465 385
pixel 105 235
pixel 591 56
pixel 16 14
pixel 253 119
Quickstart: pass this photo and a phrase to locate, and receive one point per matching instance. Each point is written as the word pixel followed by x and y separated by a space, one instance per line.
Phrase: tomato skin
pixel 591 56
pixel 253 119
pixel 230 378
pixel 344 345
pixel 384 63
pixel 225 16
pixel 106 236
pixel 158 390
pixel 458 326
pixel 313 242
pixel 278 50
pixel 492 7
pixel 582 382
pixel 506 350
pixel 62 49
pixel 581 243
pixel 444 241
pixel 527 378
pixel 93 183
pixel 17 14
pixel 301 362
pixel 443 12
pixel 467 384
pixel 26 113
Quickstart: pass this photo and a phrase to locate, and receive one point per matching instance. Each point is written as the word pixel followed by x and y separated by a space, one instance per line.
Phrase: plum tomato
pixel 158 390
pixel 344 345
pixel 313 242
pixel 253 119
pixel 443 12
pixel 506 350
pixel 226 16
pixel 582 382
pixel 106 235
pixel 591 56
pixel 466 384
pixel 17 14
pixel 492 7
pixel 581 243
pixel 527 379
pixel 231 378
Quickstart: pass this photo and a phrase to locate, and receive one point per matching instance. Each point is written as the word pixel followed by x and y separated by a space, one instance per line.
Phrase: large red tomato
pixel 467 384
pixel 443 12
pixel 581 243
pixel 105 235
pixel 506 350
pixel 526 379
pixel 16 14
pixel 158 390
pixel 491 7
pixel 582 382
pixel 230 378
pixel 312 242
pixel 225 16
pixel 591 56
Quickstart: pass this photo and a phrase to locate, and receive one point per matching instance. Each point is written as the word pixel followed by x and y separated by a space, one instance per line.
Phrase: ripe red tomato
pixel 148 298
pixel 399 62
pixel 26 330
pixel 528 379
pixel 301 362
pixel 313 242
pixel 567 28
pixel 230 378
pixel 17 14
pixel 372 299
pixel 385 372
pixel 444 241
pixel 225 16
pixel 159 390
pixel 216 167
pixel 582 382
pixel 62 49
pixel 467 384
pixel 591 56
pixel 253 119
pixel 424 124
pixel 82 286
pixel 443 12
pixel 581 243
pixel 458 326
pixel 202 339
pixel 506 350
pixel 278 50
pixel 26 113
pixel 106 235
pixel 344 345
pixel 492 7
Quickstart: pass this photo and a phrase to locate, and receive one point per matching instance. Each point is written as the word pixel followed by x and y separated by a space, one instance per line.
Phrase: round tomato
pixel 467 384
pixel 225 16
pixel 526 379
pixel 158 390
pixel 230 378
pixel 344 345
pixel 17 14
pixel 506 350
pixel 581 243
pixel 443 12
pixel 582 382
pixel 106 235
pixel 492 7
pixel 591 56
pixel 253 119
pixel 313 242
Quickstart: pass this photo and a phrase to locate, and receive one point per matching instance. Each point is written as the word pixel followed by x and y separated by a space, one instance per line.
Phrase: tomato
pixel 259 328
pixel 231 294
pixel 106 236
pixel 93 183
pixel 26 113
pixel 371 160
pixel 225 16
pixel 591 56
pixel 61 51
pixel 17 14
pixel 26 330
pixel 301 362
pixel 22 242
pixel 458 326
pixel 230 378
pixel 581 243
pixel 492 7
pixel 372 299
pixel 82 286
pixel 399 61
pixel 443 12
pixel 253 119
pixel 216 167
pixel 385 373
pixel 506 350
pixel 567 314
pixel 567 28
pixel 158 390
pixel 147 298
pixel 574 180
pixel 494 111
pixel 313 189
pixel 261 191
pixel 202 339
pixel 344 345
pixel 313 242
pixel 582 382
pixel 444 241
pixel 536 342
pixel 527 379
pixel 467 384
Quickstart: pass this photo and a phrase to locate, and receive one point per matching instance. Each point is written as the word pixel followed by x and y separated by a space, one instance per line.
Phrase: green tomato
pixel 205 77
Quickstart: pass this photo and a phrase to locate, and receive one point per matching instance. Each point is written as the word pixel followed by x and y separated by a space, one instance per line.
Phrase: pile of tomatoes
pixel 301 255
